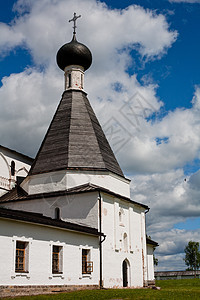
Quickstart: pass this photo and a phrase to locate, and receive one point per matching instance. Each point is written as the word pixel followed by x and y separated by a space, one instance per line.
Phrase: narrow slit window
pixel 21 259
pixel 57 260
pixel 12 168
pixel 82 81
pixel 69 80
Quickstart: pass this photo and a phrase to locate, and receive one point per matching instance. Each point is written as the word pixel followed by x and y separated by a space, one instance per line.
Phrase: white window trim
pixel 52 275
pixel 14 241
pixel 86 247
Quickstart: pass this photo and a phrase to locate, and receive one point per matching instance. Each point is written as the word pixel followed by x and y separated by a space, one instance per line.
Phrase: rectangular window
pixel 87 265
pixel 57 259
pixel 21 260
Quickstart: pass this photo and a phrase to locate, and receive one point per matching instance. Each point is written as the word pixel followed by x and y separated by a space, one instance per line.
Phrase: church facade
pixel 71 221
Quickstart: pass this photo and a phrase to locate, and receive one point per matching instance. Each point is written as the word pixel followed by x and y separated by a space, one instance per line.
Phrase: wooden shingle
pixel 75 139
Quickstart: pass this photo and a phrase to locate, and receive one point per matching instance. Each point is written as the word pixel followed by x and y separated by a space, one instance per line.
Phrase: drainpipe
pixel 100 242
pixel 145 282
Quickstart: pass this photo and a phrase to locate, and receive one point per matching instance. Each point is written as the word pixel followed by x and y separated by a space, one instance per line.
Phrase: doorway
pixel 125 273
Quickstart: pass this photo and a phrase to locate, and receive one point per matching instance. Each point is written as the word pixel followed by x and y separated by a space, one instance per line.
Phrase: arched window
pixel 12 168
pixel 57 213
pixel 125 240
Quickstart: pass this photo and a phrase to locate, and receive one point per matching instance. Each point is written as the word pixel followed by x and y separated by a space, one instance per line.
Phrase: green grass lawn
pixel 170 289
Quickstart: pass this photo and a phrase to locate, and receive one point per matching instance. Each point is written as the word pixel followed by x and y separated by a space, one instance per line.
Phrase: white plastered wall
pixel 150 262
pixel 80 208
pixel 114 244
pixel 40 240
pixel 62 180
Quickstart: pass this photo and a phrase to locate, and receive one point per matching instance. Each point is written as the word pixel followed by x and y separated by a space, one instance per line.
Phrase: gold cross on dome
pixel 74 20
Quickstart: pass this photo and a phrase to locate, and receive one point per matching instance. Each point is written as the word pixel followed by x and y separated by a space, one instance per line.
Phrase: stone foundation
pixel 151 283
pixel 14 291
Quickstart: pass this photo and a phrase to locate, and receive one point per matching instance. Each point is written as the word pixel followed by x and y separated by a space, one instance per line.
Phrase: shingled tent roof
pixel 75 139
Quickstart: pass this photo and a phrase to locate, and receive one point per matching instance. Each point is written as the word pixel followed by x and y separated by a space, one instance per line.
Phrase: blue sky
pixel 159 62
pixel 180 67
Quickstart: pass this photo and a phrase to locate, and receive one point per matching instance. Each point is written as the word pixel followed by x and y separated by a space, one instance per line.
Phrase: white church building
pixel 13 165
pixel 71 221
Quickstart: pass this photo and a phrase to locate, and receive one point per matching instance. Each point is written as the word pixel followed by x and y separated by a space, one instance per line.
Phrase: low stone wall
pixel 176 275
pixel 13 291
pixel 151 283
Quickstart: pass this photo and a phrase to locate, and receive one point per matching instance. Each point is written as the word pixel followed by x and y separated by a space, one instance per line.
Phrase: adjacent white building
pixel 71 221
pixel 12 165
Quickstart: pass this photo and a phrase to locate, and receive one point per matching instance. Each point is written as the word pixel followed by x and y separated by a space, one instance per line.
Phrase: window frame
pixel 58 261
pixel 28 242
pixel 87 267
pixel 21 257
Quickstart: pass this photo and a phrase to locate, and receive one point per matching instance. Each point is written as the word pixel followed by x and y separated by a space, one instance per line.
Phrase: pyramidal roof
pixel 75 140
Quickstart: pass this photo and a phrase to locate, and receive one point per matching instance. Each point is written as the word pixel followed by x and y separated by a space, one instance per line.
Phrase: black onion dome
pixel 74 53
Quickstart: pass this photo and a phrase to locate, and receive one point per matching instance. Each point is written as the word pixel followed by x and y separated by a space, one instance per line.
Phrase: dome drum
pixel 74 77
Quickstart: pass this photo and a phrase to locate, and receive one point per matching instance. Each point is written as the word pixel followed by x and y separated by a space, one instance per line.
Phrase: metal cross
pixel 74 20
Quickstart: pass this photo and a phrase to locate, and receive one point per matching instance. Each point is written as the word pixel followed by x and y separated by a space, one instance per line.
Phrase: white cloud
pixel 9 38
pixel 172 198
pixel 170 252
pixel 170 141
pixel 42 27
pixel 45 28
pixel 170 262
pixel 25 112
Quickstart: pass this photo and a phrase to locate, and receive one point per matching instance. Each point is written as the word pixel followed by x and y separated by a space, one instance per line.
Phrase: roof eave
pixel 27 217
